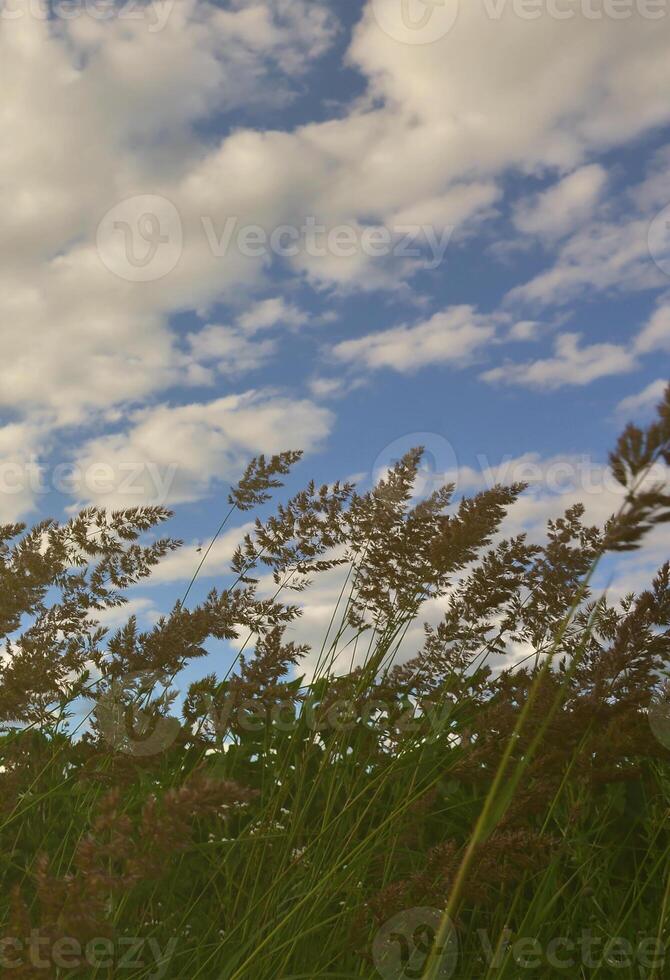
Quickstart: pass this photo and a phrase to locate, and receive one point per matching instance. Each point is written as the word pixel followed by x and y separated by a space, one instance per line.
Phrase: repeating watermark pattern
pixel 405 944
pixel 428 21
pixel 659 240
pixel 589 951
pixel 133 482
pixel 314 239
pixel 439 463
pixel 578 473
pixel 136 481
pixel 127 722
pixel 141 239
pixel 102 953
pixel 154 13
pixel 341 715
pixel 659 717
pixel 565 10
pixel 416 21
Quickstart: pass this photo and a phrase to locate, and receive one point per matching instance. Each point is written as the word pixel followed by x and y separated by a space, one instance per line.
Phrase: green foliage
pixel 304 799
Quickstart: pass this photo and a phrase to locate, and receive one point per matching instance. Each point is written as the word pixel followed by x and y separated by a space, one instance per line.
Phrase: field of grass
pixel 342 813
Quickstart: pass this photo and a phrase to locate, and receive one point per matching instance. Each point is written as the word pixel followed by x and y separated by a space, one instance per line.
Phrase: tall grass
pixel 374 808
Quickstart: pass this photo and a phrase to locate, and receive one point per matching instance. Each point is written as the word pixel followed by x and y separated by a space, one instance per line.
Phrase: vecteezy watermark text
pixel 593 10
pixel 68 953
pixel 155 13
pixel 136 480
pixel 141 239
pixel 317 240
pixel 427 21
pixel 568 952
pixel 403 945
pixel 579 474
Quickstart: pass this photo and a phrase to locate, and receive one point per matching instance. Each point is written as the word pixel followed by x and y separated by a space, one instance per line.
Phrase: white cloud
pixel 612 252
pixel 140 606
pixel 430 142
pixel 231 351
pixel 178 454
pixel 454 335
pixel 603 256
pixel 181 565
pixel 116 120
pixel 572 364
pixel 652 193
pixel 656 334
pixel 644 401
pixel 575 363
pixel 524 330
pixel 508 91
pixel 21 474
pixel 554 484
pixel 563 206
pixel 334 387
pixel 457 205
pixel 270 313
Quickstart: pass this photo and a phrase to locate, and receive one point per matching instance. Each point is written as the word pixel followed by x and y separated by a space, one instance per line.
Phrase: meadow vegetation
pixel 341 812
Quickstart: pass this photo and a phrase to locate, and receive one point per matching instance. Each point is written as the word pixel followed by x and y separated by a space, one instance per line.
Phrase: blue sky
pixel 524 149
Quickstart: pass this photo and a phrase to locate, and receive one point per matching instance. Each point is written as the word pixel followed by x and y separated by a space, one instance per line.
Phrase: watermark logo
pixel 405 945
pixel 659 717
pixel 129 718
pixel 659 240
pixel 439 463
pixel 141 239
pixel 416 21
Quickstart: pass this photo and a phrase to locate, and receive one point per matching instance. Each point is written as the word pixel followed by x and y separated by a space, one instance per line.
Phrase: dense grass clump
pixel 343 812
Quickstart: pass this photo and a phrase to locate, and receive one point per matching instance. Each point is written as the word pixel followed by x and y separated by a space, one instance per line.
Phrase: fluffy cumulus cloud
pixel 539 91
pixel 228 350
pixel 212 559
pixel 575 362
pixel 644 401
pixel 272 312
pixel 616 244
pixel 656 334
pixel 177 454
pixel 21 476
pixel 563 206
pixel 115 121
pixel 127 203
pixel 454 335
pixel 123 96
pixel 142 607
pixel 604 256
pixel 553 483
